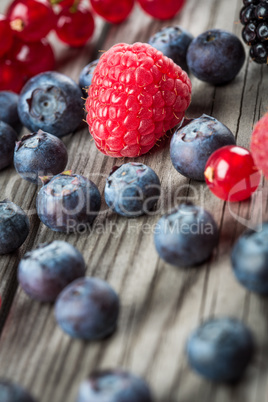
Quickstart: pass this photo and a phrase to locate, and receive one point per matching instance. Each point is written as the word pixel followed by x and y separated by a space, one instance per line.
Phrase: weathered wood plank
pixel 160 304
pixel 23 193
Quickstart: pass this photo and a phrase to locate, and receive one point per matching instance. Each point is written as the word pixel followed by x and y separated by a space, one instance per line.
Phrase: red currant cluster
pixel 116 11
pixel 24 48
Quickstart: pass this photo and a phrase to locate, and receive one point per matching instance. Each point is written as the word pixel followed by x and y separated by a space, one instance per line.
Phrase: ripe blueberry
pixel 51 102
pixel 192 145
pixel 186 236
pixel 9 109
pixel 11 392
pixel 44 272
pixel 68 202
pixel 88 308
pixel 250 259
pixel 220 349
pixel 132 189
pixel 216 56
pixel 114 386
pixel 86 75
pixel 8 139
pixel 39 154
pixel 173 42
pixel 14 227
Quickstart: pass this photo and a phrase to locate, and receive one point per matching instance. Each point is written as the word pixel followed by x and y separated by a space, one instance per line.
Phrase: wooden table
pixel 160 304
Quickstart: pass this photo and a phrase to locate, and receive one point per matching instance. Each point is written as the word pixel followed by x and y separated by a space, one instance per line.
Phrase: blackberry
pixel 261 11
pixel 254 17
pixel 248 2
pixel 262 31
pixel 247 14
pixel 249 34
pixel 259 53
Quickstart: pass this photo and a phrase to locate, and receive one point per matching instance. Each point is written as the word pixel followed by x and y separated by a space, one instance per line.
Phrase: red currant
pixel 11 78
pixel 75 26
pixel 231 173
pixel 114 11
pixel 6 36
pixel 162 10
pixel 33 57
pixel 31 20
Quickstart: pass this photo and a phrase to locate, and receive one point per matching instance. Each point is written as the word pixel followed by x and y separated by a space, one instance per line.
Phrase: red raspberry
pixel 137 94
pixel 259 144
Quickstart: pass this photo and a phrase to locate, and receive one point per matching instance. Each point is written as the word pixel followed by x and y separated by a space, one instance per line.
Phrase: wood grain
pixel 160 305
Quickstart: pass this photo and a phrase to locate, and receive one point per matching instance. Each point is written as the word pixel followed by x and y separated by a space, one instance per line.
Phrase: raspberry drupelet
pixel 137 94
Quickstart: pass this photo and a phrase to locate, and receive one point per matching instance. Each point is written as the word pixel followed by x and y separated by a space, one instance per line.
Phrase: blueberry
pixel 216 56
pixel 9 109
pixel 114 386
pixel 173 42
pixel 8 139
pixel 88 308
pixel 51 102
pixel 250 259
pixel 44 272
pixel 40 154
pixel 132 189
pixel 192 145
pixel 14 227
pixel 11 392
pixel 220 349
pixel 68 203
pixel 186 236
pixel 86 75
